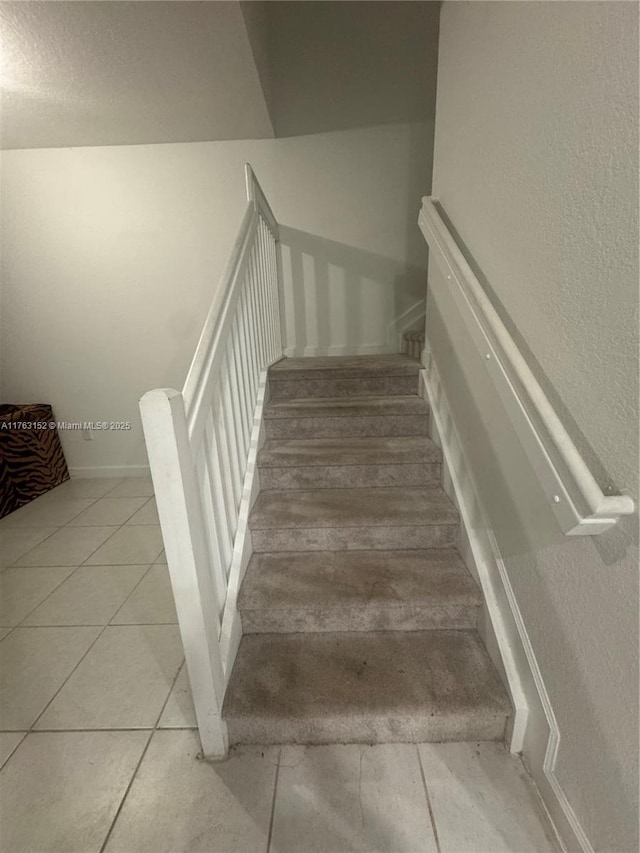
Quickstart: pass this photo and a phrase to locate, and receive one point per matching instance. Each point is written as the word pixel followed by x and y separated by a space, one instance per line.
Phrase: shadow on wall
pixel 339 300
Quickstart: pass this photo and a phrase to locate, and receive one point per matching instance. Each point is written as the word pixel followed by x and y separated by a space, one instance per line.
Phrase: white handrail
pixel 574 495
pixel 202 442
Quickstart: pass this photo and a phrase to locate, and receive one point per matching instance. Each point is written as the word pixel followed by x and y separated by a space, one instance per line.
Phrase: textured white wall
pixel 110 257
pixel 536 165
pixel 125 73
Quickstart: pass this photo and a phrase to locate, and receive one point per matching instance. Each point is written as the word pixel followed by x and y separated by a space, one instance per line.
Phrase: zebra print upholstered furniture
pixel 31 457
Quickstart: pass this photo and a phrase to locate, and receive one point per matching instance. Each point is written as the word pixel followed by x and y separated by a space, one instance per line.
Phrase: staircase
pixel 358 614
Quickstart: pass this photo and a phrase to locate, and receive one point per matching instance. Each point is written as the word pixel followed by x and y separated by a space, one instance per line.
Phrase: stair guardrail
pixel 199 442
pixel 576 499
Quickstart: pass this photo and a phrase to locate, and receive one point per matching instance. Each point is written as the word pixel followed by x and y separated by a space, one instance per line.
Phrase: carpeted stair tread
pixel 358 591
pixel 377 507
pixel 345 407
pixel 348 367
pixel 364 687
pixel 368 450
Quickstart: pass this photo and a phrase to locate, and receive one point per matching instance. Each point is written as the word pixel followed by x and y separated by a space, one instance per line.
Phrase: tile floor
pixel 97 742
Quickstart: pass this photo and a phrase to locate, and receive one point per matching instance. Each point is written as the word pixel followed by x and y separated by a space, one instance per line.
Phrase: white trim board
pixel 534 730
pixel 82 472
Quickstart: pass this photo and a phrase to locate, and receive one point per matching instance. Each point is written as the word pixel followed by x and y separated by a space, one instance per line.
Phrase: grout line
pixel 64 580
pixel 104 497
pixel 13 751
pixel 29 550
pixel 31 504
pixel 144 752
pixel 106 729
pixel 273 802
pixel 127 789
pixel 34 723
pixel 144 574
pixel 64 526
pixel 119 483
pixel 428 798
pixel 104 543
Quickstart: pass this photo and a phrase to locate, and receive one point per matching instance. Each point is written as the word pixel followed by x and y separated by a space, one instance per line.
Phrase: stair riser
pixel 349 476
pixel 331 619
pixel 347 427
pixel 377 386
pixel 354 538
pixel 367 728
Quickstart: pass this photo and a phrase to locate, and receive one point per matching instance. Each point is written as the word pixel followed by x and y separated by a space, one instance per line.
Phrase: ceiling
pixel 110 73
pixel 90 72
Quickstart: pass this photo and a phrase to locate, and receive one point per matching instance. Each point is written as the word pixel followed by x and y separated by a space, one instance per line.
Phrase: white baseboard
pixel 83 472
pixel 534 730
pixel 231 629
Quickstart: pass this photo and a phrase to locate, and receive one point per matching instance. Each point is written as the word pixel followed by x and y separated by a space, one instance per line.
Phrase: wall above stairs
pixel 111 257
pixel 536 165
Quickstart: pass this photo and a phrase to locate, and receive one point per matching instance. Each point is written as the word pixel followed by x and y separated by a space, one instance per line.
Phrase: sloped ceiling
pixel 116 73
pixel 100 72
pixel 351 63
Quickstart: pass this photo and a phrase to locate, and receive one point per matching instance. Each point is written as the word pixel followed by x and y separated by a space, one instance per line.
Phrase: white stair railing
pixel 201 444
pixel 575 497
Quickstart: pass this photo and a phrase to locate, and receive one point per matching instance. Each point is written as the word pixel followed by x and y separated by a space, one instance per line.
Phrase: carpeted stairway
pixel 358 614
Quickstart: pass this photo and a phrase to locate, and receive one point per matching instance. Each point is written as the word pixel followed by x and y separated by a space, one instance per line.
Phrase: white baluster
pixel 273 289
pixel 219 522
pixel 236 390
pixel 244 359
pixel 265 293
pixel 222 449
pixel 260 342
pixel 217 553
pixel 231 427
pixel 253 326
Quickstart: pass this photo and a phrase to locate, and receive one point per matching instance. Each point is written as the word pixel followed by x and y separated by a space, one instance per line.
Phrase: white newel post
pixel 197 605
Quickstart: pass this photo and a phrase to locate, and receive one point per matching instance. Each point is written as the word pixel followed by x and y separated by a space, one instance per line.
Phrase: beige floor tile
pixel 15 542
pixel 34 663
pixel 122 683
pixel 22 589
pixel 162 558
pixel 46 513
pixel 108 512
pixel 61 791
pixel 130 545
pixel 133 487
pixel 69 546
pixel 483 800
pixel 4 632
pixel 147 515
pixel 85 487
pixel 89 597
pixel 150 602
pixel 8 743
pixel 179 712
pixel 351 798
pixel 177 803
